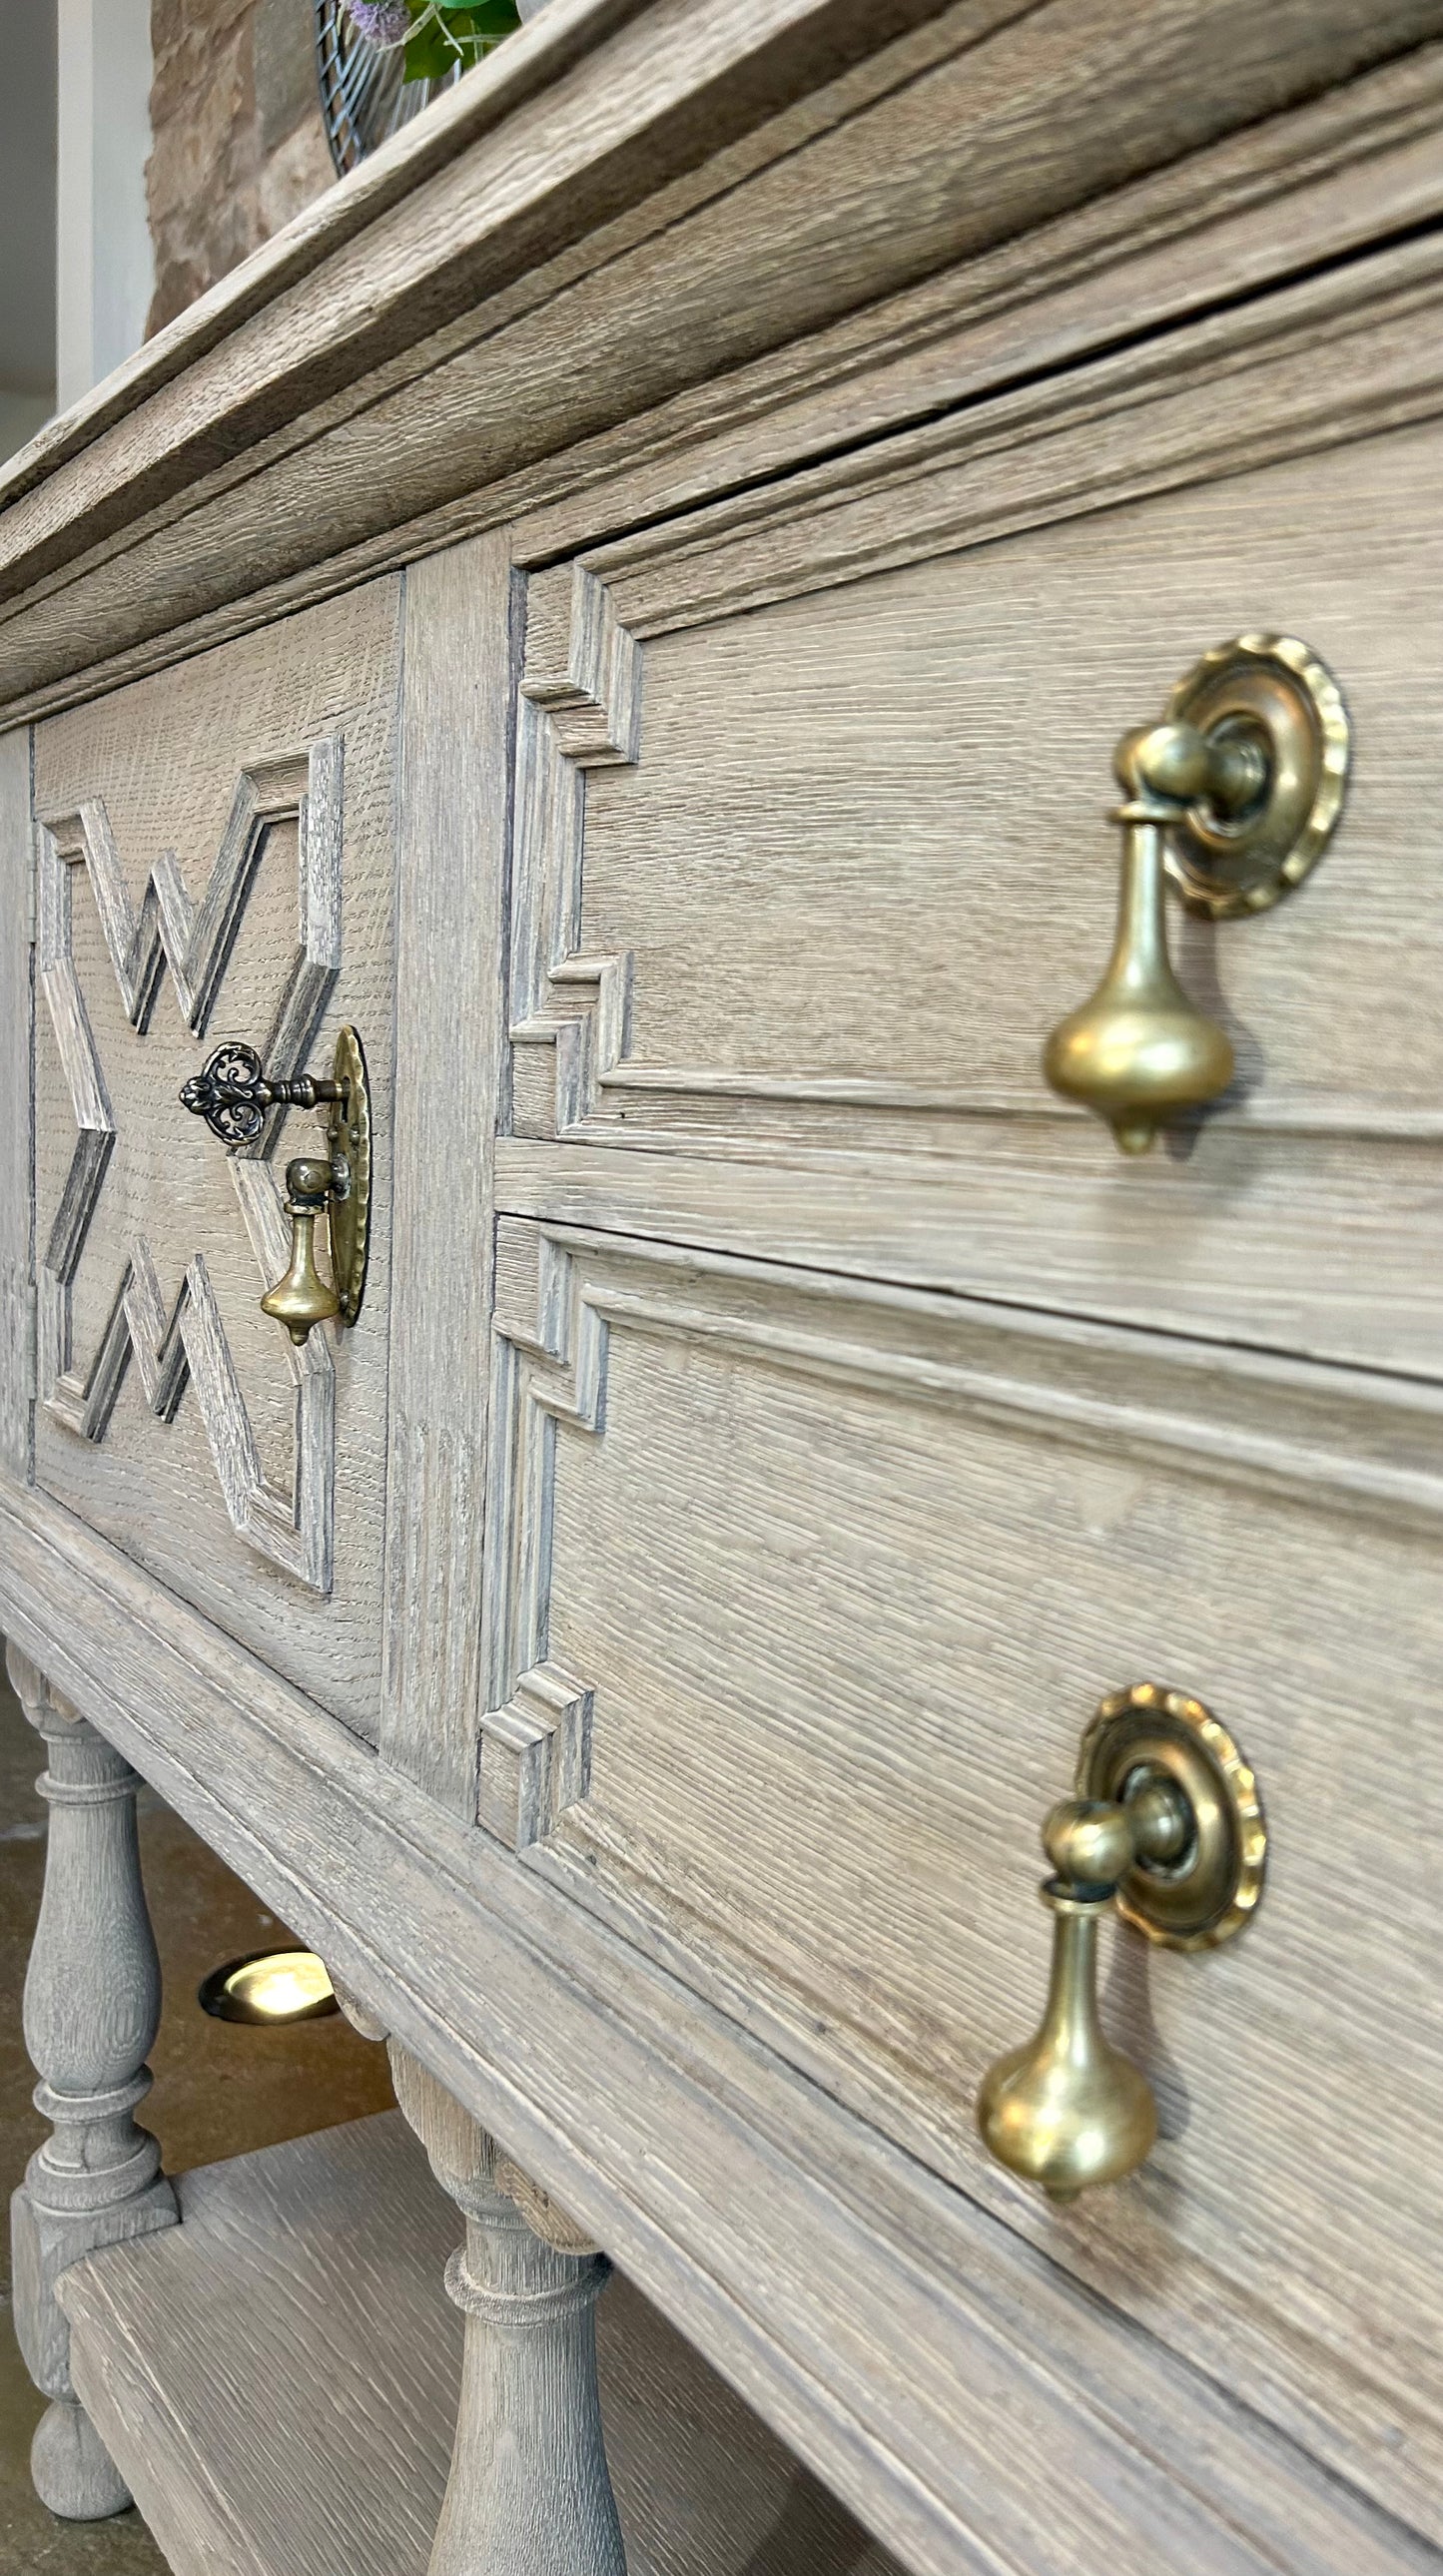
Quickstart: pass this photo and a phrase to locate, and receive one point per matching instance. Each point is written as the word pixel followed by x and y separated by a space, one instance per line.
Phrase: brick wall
pixel 238 145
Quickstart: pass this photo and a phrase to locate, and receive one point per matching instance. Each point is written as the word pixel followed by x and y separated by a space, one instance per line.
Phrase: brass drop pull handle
pixel 1167 1829
pixel 1233 797
pixel 234 1095
pixel 301 1298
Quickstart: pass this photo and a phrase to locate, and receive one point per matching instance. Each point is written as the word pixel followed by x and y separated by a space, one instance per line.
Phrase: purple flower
pixel 381 22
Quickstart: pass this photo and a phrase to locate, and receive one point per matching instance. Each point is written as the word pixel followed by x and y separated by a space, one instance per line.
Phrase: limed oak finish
pixel 630 603
pixel 350 2225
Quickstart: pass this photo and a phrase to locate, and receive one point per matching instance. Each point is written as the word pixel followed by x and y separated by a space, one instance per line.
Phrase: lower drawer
pixel 810 1590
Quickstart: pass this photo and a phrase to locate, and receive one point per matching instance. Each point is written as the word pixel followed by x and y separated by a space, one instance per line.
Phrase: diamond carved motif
pixel 184 1338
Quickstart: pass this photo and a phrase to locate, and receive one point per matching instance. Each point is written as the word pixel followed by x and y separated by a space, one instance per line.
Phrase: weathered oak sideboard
pixel 736 777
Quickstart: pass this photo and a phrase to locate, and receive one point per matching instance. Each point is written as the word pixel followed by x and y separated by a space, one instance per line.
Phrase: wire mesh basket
pixel 364 97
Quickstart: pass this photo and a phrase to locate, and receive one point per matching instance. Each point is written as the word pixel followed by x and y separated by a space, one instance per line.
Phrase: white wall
pixel 104 268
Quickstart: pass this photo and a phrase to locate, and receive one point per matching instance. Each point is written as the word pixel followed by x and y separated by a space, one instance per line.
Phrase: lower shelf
pixel 276 2379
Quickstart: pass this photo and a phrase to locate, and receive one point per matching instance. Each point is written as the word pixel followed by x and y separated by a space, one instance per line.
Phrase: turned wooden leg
pixel 92 2003
pixel 529 2492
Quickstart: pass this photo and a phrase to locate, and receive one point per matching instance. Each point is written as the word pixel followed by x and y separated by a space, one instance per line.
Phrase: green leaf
pixel 464 35
pixel 428 56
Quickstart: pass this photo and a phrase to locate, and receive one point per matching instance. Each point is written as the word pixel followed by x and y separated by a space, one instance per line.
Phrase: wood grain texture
pixel 17 1003
pixel 1043 110
pixel 183 1340
pixel 450 900
pixel 975 1228
pixel 1235 390
pixel 329 2253
pixel 528 2485
pixel 92 2007
pixel 718 76
pixel 822 931
pixel 943 2377
pixel 1298 191
pixel 461 2155
pixel 663 88
pixel 200 851
pixel 550 1356
pixel 836 1681
pixel 849 1428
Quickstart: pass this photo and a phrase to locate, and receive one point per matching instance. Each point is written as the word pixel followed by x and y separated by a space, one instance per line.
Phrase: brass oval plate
pixel 1214 1888
pixel 1274 690
pixel 349 1137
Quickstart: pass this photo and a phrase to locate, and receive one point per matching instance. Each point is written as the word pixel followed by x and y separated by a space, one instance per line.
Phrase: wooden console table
pixel 619 623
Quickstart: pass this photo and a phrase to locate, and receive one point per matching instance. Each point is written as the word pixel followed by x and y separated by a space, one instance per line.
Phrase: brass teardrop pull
pixel 1167 1829
pixel 1233 797
pixel 301 1298
pixel 1067 2108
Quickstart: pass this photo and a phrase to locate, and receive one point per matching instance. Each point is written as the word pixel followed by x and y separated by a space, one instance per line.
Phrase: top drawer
pixel 843 860
pixel 214 853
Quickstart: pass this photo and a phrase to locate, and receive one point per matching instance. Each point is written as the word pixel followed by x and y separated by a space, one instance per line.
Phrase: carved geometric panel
pixel 215 852
pixel 185 1338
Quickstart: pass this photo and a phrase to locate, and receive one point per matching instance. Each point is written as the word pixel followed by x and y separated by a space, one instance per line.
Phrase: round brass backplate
pixel 1212 1889
pixel 1272 690
pixel 349 1136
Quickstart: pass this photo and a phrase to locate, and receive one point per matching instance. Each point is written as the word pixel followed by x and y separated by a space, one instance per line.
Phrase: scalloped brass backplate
pixel 348 1136
pixel 1273 692
pixel 1213 1886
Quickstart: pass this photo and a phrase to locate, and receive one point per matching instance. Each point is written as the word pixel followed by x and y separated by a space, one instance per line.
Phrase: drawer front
pixel 801 888
pixel 214 853
pixel 812 1588
pixel 862 1417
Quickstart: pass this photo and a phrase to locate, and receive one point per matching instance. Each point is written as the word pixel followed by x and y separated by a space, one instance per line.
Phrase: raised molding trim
pixel 1223 395
pixel 1314 1434
pixel 1310 1431
pixel 536 1731
pixel 186 1338
pixel 580 709
pixel 1234 393
pixel 1321 1115
pixel 1311 1434
pixel 1317 180
pixel 535 1756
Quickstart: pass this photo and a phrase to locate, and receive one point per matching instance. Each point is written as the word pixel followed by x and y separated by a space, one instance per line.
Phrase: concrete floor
pixel 220 2090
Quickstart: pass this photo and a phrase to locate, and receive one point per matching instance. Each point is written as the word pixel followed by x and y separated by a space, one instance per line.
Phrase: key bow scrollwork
pixel 233 1092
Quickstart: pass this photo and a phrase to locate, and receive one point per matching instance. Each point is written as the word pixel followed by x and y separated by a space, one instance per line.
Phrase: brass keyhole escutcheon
pixel 235 1096
pixel 348 1135
pixel 1232 799
pixel 1167 1830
